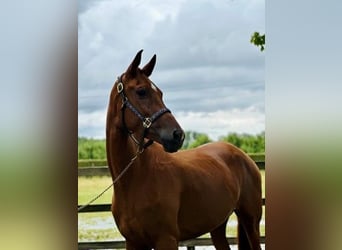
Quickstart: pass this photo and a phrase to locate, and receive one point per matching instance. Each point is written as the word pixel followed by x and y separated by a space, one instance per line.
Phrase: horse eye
pixel 141 92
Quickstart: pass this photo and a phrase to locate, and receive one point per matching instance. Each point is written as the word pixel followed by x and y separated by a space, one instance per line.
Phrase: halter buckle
pixel 147 122
pixel 120 87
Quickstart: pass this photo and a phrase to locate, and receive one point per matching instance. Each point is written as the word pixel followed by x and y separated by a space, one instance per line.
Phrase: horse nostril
pixel 178 135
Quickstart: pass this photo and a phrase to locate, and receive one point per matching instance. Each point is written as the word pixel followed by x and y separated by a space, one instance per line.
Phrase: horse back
pixel 220 158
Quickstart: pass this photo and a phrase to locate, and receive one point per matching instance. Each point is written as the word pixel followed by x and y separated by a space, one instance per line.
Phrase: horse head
pixel 140 110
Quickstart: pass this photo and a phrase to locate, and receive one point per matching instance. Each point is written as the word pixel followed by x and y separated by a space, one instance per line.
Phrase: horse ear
pixel 148 68
pixel 132 68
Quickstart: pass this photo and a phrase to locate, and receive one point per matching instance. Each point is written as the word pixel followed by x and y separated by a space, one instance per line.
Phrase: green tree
pixel 96 148
pixel 246 142
pixel 190 137
pixel 194 139
pixel 91 148
pixel 200 140
pixel 258 40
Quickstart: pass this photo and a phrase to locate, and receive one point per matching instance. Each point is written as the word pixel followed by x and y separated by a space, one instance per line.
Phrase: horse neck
pixel 120 147
pixel 122 150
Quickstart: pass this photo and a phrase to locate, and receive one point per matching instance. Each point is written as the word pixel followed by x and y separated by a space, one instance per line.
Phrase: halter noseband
pixel 146 121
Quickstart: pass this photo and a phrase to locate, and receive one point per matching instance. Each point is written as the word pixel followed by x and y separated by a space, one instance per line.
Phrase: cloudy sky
pixel 212 77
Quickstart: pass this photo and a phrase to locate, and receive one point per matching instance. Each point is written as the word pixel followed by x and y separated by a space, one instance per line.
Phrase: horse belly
pixel 203 210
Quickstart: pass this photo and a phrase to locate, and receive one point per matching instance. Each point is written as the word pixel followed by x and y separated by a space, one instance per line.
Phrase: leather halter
pixel 146 121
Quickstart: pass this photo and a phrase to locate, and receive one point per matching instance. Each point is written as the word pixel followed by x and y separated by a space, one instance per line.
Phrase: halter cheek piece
pixel 146 121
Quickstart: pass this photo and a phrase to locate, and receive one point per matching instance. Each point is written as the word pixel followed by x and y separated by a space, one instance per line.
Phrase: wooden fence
pixel 99 167
pixel 189 244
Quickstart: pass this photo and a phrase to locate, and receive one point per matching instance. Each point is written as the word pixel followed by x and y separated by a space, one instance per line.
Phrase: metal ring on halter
pixel 119 87
pixel 147 122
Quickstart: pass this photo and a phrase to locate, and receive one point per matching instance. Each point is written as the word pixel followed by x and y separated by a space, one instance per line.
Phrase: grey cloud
pixel 204 59
pixel 202 100
pixel 84 5
pixel 216 36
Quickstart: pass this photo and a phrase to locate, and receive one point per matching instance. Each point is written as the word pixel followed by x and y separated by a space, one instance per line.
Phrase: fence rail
pixel 99 167
pixel 189 244
pixel 107 207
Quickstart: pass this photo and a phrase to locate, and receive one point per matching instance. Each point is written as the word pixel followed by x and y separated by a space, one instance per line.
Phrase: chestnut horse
pixel 168 196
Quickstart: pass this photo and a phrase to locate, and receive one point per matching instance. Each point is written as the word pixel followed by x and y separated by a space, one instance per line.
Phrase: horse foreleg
pixel 132 246
pixel 218 236
pixel 166 243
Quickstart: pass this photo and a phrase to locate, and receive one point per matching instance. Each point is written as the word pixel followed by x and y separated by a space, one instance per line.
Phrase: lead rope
pixel 116 179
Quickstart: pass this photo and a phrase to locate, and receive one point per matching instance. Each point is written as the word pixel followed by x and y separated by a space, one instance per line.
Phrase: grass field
pixel 101 226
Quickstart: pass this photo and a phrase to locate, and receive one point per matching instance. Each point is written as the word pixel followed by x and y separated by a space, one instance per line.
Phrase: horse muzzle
pixel 173 141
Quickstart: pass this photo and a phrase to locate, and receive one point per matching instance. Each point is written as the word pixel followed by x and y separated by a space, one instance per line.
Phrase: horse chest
pixel 137 219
